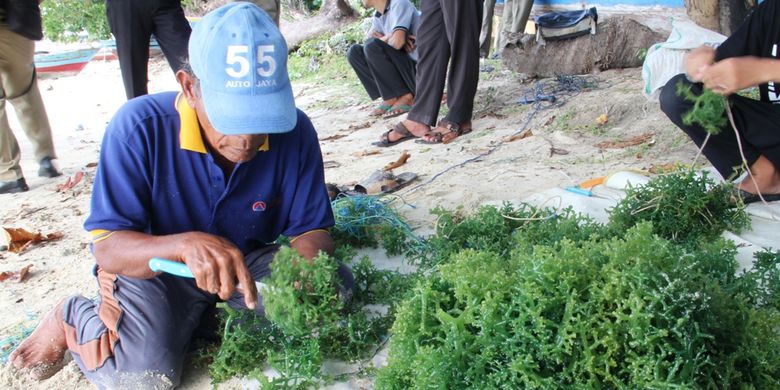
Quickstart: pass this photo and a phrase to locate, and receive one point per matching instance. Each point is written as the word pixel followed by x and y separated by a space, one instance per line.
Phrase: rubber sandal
pixel 397 110
pixel 380 110
pixel 747 197
pixel 384 140
pixel 384 182
pixel 453 131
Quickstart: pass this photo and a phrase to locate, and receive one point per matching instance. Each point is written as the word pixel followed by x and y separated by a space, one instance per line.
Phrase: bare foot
pixel 766 176
pixel 416 128
pixel 41 353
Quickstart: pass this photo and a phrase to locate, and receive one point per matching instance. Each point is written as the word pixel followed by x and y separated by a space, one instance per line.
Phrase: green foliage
pixel 306 322
pixel 63 19
pixel 635 311
pixel 684 207
pixel 496 230
pixel 709 109
pixel 302 294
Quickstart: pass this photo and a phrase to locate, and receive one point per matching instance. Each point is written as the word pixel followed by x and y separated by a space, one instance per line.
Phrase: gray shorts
pixel 136 333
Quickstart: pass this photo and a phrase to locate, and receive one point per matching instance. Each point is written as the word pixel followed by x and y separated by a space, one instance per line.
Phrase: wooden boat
pixel 71 61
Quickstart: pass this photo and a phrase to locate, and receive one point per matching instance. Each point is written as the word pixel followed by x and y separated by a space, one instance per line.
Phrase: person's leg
pixel 134 336
pixel 382 60
pixel 507 19
pixel 357 58
pixel 520 10
pixel 15 77
pixel 434 55
pixel 722 149
pixel 462 21
pixel 259 264
pixel 759 125
pixel 486 33
pixel 131 24
pixel 34 121
pixel 172 31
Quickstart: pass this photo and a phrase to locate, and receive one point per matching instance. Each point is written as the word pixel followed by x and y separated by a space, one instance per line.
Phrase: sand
pixel 561 151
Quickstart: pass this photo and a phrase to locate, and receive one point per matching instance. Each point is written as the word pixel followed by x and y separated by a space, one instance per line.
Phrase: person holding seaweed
pixel 209 177
pixel 749 57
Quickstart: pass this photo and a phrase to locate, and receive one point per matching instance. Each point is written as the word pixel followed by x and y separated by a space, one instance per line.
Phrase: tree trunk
pixel 333 15
pixel 723 16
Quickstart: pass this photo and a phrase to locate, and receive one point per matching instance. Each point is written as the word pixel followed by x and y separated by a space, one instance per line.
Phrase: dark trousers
pixel 136 334
pixel 449 32
pixel 758 124
pixel 133 22
pixel 383 70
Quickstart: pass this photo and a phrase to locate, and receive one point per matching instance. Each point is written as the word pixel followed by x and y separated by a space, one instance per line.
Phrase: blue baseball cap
pixel 240 58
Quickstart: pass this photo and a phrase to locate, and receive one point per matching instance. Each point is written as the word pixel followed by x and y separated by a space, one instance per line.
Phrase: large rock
pixel 620 42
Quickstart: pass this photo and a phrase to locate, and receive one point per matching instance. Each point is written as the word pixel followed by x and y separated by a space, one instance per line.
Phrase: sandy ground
pixel 562 151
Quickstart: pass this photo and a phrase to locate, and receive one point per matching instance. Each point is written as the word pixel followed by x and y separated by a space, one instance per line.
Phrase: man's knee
pixel 672 104
pixel 373 46
pixel 354 53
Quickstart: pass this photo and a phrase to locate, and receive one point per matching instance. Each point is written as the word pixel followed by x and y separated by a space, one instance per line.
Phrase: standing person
pixel 385 63
pixel 178 179
pixel 272 7
pixel 749 57
pixel 486 34
pixel 516 13
pixel 133 22
pixel 448 35
pixel 20 26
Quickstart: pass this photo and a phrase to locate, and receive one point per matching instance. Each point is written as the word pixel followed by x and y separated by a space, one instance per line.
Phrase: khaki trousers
pixel 516 13
pixel 18 86
pixel 271 7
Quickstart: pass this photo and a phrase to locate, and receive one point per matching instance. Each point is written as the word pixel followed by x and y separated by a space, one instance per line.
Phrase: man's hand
pixel 377 35
pixel 217 266
pixel 735 74
pixel 411 43
pixel 697 61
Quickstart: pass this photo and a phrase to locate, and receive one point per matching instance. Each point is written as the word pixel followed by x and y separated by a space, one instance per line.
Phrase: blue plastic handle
pixel 157 264
pixel 578 190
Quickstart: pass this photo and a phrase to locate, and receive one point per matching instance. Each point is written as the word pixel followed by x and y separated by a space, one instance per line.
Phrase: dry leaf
pixel 523 134
pixel 632 141
pixel 558 151
pixel 363 153
pixel 71 182
pixel 20 239
pixel 333 137
pixel 91 165
pixel 401 161
pixel 359 126
pixel 549 121
pixel 663 168
pixel 331 164
pixel 20 276
pixel 602 120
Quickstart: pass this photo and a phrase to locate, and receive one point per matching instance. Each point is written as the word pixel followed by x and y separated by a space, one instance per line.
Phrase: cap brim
pixel 235 114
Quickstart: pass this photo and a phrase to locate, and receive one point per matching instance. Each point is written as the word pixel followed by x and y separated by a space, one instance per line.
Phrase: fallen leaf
pixel 401 161
pixel 363 153
pixel 602 120
pixel 359 126
pixel 549 121
pixel 631 141
pixel 331 164
pixel 558 151
pixel 20 276
pixel 91 165
pixel 71 182
pixel 24 273
pixel 333 137
pixel 523 134
pixel 663 168
pixel 20 239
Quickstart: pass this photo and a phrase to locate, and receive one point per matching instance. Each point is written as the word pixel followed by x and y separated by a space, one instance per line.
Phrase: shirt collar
pixel 387 8
pixel 190 137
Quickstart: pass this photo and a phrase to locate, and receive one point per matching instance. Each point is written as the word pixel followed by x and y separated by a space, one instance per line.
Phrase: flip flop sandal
pixel 441 137
pixel 397 110
pixel 747 197
pixel 384 182
pixel 384 140
pixel 380 110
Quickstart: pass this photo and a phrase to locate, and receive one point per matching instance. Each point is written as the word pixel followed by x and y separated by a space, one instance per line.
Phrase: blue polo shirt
pixel 156 176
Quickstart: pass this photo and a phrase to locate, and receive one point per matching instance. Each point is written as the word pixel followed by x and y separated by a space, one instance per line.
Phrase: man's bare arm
pixel 734 74
pixel 214 261
pixel 397 39
pixel 309 244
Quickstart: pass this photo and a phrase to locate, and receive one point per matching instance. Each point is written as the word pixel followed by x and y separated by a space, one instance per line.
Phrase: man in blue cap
pixel 210 177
